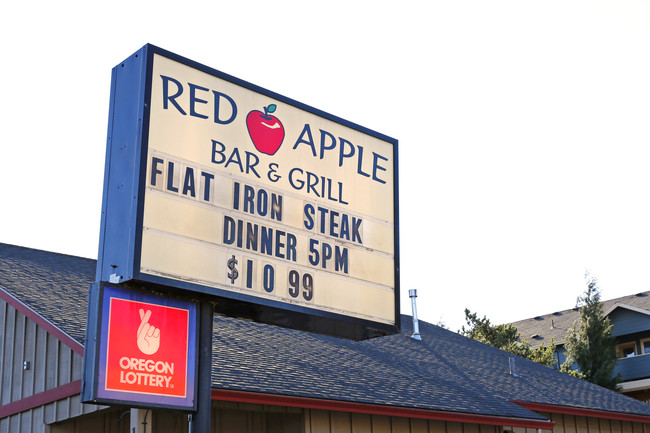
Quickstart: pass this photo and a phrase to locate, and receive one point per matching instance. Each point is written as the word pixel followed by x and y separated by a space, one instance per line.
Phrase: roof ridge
pixel 22 247
pixel 561 312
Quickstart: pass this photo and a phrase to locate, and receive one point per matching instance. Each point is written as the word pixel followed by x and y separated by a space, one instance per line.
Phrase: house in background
pixel 630 317
pixel 267 379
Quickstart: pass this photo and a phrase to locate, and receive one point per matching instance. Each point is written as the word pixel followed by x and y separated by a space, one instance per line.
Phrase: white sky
pixel 524 127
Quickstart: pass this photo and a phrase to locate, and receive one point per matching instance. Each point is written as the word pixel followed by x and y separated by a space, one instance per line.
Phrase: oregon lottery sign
pixel 218 186
pixel 141 349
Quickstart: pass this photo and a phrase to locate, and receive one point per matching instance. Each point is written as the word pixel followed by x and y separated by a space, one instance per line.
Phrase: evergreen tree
pixel 506 337
pixel 589 342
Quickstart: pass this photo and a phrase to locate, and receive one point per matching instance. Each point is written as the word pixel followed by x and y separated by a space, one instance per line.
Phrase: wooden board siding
pixel 52 365
pixel 55 366
pixel 228 417
pixel 628 322
pixel 251 418
pixel 114 421
pixel 581 424
pixel 322 421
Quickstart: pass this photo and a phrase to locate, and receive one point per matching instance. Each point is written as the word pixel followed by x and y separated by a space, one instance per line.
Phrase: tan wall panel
pixel 235 422
pixel 171 421
pixel 340 422
pixel 400 425
pixel 3 337
pixel 437 426
pixel 75 405
pixel 8 355
pixel 593 425
pixel 29 354
pixel 8 424
pixel 361 423
pixel 490 428
pixel 471 428
pixel 49 413
pixel 319 421
pixel 77 366
pixel 40 360
pixel 17 361
pixel 616 427
pixel 62 409
pixel 65 365
pixel 381 424
pixel 51 358
pixel 26 422
pixel 605 425
pixel 37 416
pixel 582 425
pixel 454 427
pixel 419 426
pixel 558 419
pixel 570 424
pixel 103 422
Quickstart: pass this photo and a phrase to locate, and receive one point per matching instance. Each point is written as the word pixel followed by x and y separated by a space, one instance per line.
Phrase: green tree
pixel 506 337
pixel 589 342
pixel 566 368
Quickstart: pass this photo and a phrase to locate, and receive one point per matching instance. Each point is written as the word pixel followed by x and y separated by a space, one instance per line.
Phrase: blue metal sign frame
pixel 123 206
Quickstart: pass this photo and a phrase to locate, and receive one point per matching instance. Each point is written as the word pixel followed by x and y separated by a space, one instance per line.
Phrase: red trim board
pixel 42 398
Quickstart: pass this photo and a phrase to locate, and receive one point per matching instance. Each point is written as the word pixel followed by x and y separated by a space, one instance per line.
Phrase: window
pixel 645 346
pixel 626 350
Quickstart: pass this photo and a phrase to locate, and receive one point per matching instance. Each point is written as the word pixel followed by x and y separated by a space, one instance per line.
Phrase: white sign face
pixel 253 195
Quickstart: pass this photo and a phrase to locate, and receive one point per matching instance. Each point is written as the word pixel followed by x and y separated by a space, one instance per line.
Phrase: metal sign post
pixel 200 421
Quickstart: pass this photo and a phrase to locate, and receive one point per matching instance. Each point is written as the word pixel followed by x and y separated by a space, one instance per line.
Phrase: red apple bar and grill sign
pixel 255 197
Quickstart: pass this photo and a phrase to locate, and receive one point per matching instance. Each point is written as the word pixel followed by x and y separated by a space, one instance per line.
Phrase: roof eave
pixel 569 410
pixel 42 322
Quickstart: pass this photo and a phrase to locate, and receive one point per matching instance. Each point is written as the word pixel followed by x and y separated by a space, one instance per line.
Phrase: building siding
pixel 581 424
pixel 628 322
pixel 52 364
pixel 322 421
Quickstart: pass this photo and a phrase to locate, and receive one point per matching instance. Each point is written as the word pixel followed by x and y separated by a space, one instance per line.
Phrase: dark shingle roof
pixel 53 285
pixel 556 325
pixel 445 371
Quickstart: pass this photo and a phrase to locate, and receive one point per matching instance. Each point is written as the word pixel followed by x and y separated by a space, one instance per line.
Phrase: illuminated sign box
pixel 141 349
pixel 286 214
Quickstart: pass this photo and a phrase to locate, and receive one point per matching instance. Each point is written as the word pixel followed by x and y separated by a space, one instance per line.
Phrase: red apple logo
pixel 266 131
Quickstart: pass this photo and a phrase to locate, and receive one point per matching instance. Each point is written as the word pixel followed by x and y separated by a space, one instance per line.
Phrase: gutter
pixel 593 413
pixel 376 409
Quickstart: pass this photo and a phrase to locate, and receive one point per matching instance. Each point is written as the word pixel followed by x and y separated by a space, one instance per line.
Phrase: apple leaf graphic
pixel 270 109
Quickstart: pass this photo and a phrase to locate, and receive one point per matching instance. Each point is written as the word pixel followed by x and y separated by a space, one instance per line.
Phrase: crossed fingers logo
pixel 148 336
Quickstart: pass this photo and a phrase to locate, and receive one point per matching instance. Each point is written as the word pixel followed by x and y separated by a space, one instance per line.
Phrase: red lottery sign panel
pixel 147 348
